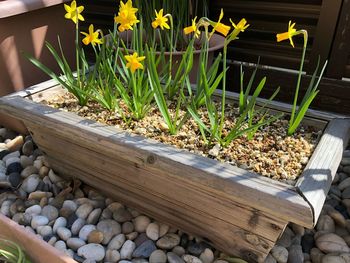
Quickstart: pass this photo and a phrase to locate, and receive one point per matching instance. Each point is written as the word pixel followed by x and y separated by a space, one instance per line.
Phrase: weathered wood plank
pixel 161 185
pixel 32 245
pixel 228 181
pixel 223 236
pixel 320 171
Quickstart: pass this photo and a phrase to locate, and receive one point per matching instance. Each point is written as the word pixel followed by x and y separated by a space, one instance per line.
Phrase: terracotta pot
pixel 36 249
pixel 25 25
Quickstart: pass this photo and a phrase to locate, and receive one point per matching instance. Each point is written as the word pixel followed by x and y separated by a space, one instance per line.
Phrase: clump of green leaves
pixel 12 253
pixel 176 85
pixel 133 87
pixel 243 124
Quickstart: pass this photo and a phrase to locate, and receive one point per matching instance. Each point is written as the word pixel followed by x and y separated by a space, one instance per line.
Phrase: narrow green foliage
pixel 11 252
pixel 80 87
pixel 133 88
pixel 178 84
pixel 244 93
pixel 243 124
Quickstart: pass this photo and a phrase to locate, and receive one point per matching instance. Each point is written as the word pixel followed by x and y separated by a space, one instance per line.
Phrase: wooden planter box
pixel 237 211
pixel 36 249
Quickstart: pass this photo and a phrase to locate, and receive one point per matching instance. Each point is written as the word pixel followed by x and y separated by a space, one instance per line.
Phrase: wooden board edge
pixel 34 89
pixel 315 183
pixel 38 250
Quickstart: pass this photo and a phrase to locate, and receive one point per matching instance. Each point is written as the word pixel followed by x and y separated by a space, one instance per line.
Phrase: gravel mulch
pixel 270 153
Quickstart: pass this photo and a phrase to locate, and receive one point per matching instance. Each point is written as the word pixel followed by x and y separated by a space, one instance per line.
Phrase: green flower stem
pixel 77 47
pixel 223 99
pixel 171 42
pixel 304 32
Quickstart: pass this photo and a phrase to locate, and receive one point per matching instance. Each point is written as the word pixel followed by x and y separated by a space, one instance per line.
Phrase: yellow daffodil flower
pixel 240 27
pixel 91 37
pixel 74 12
pixel 192 28
pixel 220 27
pixel 160 20
pixel 126 10
pixel 126 16
pixel 134 62
pixel 288 35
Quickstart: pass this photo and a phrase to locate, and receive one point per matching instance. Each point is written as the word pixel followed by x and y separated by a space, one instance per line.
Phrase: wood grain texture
pixel 36 249
pixel 320 170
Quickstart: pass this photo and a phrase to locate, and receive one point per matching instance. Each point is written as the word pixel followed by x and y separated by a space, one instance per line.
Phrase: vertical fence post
pixel 341 46
pixel 325 33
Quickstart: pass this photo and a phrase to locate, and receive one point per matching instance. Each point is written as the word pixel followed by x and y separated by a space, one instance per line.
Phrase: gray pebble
pixel 94 216
pixel 168 241
pixel 127 249
pixel 44 230
pixel 84 210
pixel 158 256
pixel 77 225
pixel 116 242
pixel 50 212
pixel 60 245
pixel 60 222
pixel 64 233
pixel 33 210
pixel 30 183
pixel 75 243
pixel 109 228
pixel 39 221
pixel 92 251
pixel 173 258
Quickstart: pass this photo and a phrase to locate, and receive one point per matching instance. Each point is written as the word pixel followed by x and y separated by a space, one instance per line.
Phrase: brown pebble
pixel 44 171
pixel 44 201
pixel 15 144
pixel 66 212
pixel 38 195
pixel 132 235
pixel 95 236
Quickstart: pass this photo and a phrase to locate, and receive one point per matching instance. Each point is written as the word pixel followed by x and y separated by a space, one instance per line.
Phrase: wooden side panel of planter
pixel 319 173
pixel 239 212
pixel 38 250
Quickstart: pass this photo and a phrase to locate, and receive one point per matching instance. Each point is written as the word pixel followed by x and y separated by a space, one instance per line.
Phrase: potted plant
pixel 234 208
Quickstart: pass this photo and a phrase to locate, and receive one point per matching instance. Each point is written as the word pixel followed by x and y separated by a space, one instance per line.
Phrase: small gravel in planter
pixel 270 153
pixel 91 228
